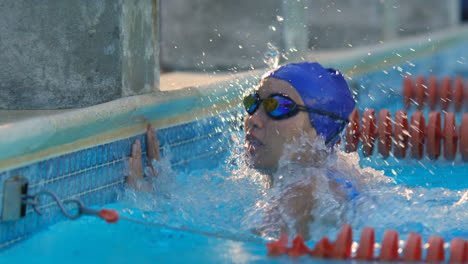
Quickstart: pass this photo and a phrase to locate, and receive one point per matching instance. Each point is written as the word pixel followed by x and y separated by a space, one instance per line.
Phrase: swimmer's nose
pixel 257 120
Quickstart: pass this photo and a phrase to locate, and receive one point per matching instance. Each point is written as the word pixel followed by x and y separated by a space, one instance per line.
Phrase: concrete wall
pixel 212 34
pixel 190 28
pixel 66 54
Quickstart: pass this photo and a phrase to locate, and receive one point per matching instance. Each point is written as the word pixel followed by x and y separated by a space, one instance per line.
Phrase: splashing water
pixel 271 56
pixel 235 198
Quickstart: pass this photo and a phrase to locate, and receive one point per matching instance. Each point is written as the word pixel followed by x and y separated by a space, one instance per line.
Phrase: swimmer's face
pixel 265 138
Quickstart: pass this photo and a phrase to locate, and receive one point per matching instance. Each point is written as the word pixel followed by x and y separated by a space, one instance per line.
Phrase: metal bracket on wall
pixel 15 189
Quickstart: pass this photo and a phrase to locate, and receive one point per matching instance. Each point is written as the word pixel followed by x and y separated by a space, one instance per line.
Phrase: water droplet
pixel 271 56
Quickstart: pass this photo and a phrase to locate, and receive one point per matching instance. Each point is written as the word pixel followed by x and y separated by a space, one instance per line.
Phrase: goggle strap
pixel 343 125
pixel 321 112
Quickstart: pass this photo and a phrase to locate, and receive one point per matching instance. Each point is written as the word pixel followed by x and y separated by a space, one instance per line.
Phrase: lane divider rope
pixel 340 249
pixel 402 133
pixel 433 92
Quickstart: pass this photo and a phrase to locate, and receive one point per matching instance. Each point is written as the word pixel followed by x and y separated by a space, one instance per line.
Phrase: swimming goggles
pixel 279 106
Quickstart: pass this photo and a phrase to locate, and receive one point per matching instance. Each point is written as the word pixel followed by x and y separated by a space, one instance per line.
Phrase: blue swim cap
pixel 321 89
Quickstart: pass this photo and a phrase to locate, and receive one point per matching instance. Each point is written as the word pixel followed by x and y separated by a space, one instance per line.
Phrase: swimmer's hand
pixel 135 177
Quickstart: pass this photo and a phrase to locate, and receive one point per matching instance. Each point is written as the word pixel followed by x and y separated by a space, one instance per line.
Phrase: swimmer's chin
pixel 254 161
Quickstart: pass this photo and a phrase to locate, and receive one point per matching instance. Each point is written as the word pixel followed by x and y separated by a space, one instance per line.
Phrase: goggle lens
pixel 250 103
pixel 278 106
pixel 275 106
pixel 270 104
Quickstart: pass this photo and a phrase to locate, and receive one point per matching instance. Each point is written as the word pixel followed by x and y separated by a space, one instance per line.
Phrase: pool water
pixel 208 215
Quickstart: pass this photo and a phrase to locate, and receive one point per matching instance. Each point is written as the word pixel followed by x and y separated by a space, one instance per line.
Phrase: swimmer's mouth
pixel 252 144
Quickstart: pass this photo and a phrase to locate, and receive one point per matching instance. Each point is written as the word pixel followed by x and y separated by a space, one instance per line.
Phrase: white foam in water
pixel 235 198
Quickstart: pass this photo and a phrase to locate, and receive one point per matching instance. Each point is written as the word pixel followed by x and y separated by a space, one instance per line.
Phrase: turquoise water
pixel 208 215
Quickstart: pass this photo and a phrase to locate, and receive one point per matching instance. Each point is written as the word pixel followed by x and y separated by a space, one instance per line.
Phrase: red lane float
pixel 445 93
pixel 368 125
pixel 417 132
pixel 323 249
pixel 366 244
pixel 465 92
pixel 401 134
pixel 433 92
pixel 389 249
pixel 352 132
pixel 450 136
pixel 279 247
pixel 420 92
pixel 464 137
pixel 407 91
pixel 299 248
pixel 434 136
pixel 458 94
pixel 435 251
pixel 342 245
pixel 384 133
pixel 458 251
pixel 413 248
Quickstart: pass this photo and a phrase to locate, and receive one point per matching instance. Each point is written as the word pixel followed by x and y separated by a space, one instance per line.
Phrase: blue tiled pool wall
pixel 382 89
pixel 96 175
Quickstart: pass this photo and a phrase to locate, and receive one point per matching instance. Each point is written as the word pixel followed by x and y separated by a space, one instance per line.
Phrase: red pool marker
pixel 368 134
pixel 384 144
pixel 279 247
pixel 400 134
pixel 464 137
pixel 366 244
pixel 111 216
pixel 434 135
pixel 445 93
pixel 323 249
pixel 413 248
pixel 435 252
pixel 458 94
pixel 352 132
pixel 458 251
pixel 389 250
pixel 299 248
pixel 433 92
pixel 407 91
pixel 342 245
pixel 420 91
pixel 417 131
pixel 450 136
pixel 465 92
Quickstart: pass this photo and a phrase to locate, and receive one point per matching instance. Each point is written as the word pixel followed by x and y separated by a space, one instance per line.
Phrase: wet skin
pixel 265 138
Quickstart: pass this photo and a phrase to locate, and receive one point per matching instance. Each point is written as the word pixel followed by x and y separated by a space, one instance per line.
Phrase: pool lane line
pixel 219 235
